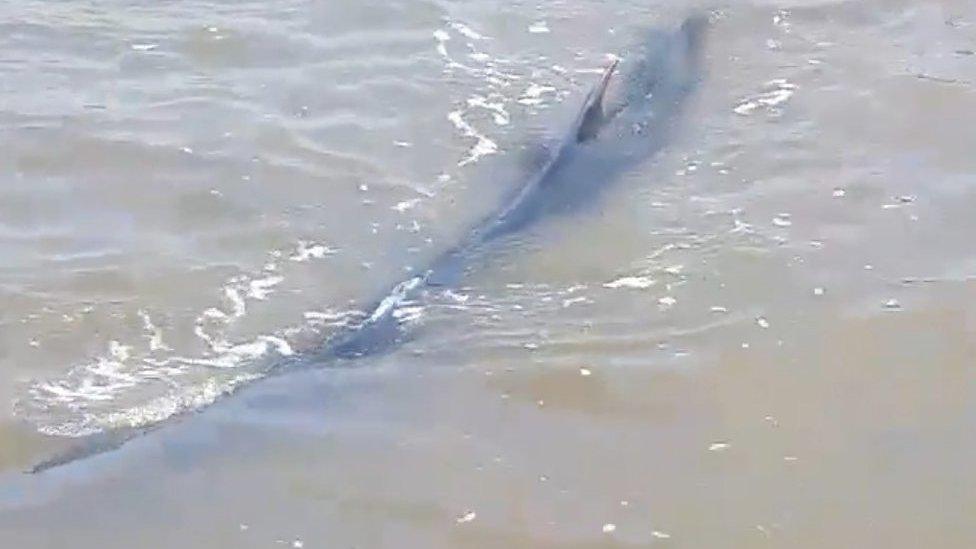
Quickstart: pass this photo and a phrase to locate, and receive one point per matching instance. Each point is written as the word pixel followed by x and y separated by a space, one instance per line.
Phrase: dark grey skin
pixel 609 136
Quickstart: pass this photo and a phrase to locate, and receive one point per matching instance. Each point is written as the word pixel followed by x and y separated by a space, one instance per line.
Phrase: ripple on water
pixel 140 383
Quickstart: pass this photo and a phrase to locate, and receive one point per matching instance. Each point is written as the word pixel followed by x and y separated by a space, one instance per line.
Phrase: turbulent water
pixel 761 336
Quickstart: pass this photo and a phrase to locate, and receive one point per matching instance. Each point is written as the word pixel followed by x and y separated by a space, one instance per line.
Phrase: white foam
pixel 776 93
pixel 635 282
pixel 118 351
pixel 154 334
pixel 140 383
pixel 261 288
pixel 396 297
pixel 497 108
pixel 214 313
pixel 442 37
pixel 238 304
pixel 332 318
pixel 488 95
pixel 408 314
pixel 467 31
pixel 405 205
pixel 533 94
pixel 481 148
pixel 310 250
pixel 180 400
pixel 573 301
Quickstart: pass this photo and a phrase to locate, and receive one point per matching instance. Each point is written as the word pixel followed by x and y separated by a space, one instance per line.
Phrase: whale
pixel 624 119
pixel 608 136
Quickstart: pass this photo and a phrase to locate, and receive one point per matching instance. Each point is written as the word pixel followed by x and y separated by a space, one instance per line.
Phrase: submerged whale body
pixel 607 137
pixel 624 119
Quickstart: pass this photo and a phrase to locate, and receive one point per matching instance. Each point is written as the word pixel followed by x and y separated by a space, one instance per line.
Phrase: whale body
pixel 624 119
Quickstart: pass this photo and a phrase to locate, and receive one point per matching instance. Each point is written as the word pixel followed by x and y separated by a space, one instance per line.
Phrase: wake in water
pixel 138 385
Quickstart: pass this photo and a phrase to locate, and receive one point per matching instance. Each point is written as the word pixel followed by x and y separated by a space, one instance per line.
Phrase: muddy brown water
pixel 761 337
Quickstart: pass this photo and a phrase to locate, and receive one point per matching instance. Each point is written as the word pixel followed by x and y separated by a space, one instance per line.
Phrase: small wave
pixel 310 250
pixel 634 282
pixel 482 147
pixel 494 79
pixel 141 383
pixel 776 92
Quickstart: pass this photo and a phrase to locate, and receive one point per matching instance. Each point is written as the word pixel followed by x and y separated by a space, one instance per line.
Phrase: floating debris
pixel 666 302
pixel 892 304
pixel 609 528
pixel 585 372
pixel 539 27
pixel 660 535
pixel 762 322
pixel 818 291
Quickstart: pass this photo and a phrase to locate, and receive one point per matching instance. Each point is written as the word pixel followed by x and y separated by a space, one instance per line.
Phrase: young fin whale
pixel 625 118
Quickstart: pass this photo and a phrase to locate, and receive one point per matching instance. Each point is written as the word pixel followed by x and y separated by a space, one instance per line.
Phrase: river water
pixel 763 336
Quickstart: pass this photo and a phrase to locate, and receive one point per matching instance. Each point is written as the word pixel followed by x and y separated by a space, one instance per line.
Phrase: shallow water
pixel 762 336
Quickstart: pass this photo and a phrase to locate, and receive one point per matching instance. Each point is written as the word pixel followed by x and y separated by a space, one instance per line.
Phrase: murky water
pixel 761 337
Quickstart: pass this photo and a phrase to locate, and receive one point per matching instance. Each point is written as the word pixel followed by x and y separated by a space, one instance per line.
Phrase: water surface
pixel 762 336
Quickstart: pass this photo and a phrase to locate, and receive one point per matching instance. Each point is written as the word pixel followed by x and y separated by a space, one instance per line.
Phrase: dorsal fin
pixel 593 116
